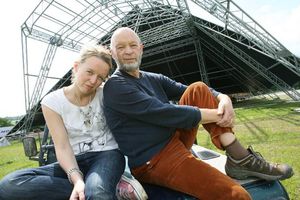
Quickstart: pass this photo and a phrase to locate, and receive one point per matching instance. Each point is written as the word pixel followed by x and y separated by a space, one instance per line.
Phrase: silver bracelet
pixel 70 171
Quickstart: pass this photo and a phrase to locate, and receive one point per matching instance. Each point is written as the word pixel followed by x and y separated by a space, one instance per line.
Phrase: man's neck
pixel 135 73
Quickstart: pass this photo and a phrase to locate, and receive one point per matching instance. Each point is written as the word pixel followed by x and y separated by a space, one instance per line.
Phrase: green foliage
pixel 5 122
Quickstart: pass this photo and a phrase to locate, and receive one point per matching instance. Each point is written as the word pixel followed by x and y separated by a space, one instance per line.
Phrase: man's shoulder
pixel 151 75
pixel 116 77
pixel 115 83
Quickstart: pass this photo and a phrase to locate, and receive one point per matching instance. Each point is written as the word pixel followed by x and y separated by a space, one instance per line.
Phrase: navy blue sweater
pixel 140 116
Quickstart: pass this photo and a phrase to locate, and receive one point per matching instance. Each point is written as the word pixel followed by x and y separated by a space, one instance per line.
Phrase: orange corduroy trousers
pixel 176 168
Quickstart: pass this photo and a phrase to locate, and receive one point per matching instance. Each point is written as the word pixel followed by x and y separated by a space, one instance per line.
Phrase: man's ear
pixel 142 47
pixel 113 55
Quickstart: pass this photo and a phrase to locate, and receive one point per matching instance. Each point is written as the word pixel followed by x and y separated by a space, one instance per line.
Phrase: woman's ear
pixel 75 66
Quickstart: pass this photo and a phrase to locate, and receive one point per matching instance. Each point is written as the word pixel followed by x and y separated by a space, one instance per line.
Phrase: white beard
pixel 130 67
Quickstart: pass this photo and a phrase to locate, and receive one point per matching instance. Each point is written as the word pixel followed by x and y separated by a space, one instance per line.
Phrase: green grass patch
pixel 13 158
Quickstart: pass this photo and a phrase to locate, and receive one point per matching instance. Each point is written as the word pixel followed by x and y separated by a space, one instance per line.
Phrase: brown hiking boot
pixel 254 165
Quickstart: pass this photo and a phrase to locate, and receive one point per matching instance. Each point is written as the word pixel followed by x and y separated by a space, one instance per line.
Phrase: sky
pixel 279 18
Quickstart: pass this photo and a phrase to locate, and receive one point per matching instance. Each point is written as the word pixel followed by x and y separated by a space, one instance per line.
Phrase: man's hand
pixel 225 110
pixel 78 191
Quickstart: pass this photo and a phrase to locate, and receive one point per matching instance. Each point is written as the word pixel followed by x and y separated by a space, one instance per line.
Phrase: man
pixel 157 136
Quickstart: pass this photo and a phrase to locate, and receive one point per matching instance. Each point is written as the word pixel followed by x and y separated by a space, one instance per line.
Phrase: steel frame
pixel 70 24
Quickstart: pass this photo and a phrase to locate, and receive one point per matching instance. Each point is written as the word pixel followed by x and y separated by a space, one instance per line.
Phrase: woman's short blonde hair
pixel 96 50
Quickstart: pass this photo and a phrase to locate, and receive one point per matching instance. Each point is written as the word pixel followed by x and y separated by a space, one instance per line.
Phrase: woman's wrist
pixel 74 174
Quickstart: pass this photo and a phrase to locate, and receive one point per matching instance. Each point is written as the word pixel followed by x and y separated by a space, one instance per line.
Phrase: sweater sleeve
pixel 175 89
pixel 130 101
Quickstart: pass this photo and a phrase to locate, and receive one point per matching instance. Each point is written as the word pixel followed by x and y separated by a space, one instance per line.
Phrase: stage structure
pixel 236 56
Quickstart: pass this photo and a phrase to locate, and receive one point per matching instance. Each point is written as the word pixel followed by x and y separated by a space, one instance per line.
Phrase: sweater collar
pixel 124 73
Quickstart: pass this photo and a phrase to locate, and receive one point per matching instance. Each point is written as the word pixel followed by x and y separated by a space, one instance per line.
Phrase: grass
pixel 271 127
pixel 13 158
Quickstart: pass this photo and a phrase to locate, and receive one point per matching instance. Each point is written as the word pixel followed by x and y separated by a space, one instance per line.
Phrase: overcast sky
pixel 278 17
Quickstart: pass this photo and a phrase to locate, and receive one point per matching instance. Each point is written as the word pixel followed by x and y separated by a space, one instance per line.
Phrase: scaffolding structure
pixel 170 33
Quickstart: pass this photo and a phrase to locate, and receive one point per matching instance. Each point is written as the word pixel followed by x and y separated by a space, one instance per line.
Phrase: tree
pixel 5 122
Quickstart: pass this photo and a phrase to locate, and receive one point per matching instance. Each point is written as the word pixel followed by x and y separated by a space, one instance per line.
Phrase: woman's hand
pixel 78 191
pixel 225 110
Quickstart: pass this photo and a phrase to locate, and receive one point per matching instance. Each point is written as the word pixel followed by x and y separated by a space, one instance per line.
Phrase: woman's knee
pixel 100 192
pixel 12 184
pixel 5 187
pixel 98 186
pixel 103 175
pixel 14 178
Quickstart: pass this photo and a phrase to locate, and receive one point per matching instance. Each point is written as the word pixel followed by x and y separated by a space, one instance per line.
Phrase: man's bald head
pixel 126 49
pixel 121 33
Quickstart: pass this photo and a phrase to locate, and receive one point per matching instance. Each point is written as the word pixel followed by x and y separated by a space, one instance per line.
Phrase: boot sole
pixel 243 174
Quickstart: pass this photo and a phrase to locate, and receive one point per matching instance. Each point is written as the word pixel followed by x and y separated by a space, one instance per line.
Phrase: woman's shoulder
pixel 54 95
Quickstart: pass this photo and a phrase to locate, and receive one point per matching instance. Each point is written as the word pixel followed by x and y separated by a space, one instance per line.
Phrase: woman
pixel 89 161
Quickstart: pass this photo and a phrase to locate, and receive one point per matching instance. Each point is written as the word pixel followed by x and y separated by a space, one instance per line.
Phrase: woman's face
pixel 90 74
